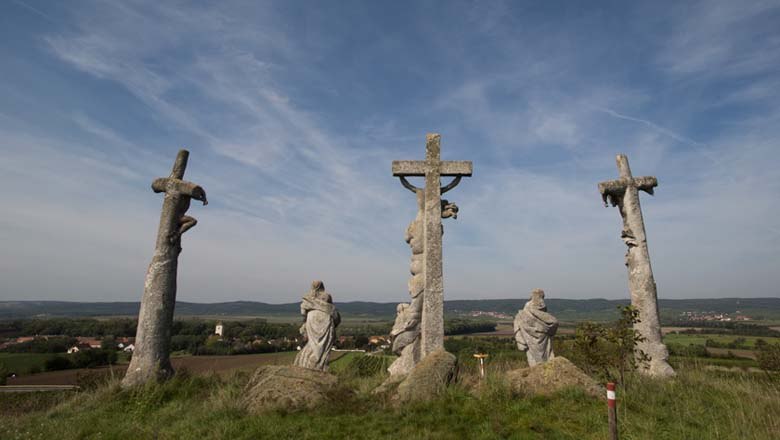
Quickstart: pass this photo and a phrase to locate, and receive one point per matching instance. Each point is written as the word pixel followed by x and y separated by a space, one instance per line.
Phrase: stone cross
pixel 151 357
pixel 624 193
pixel 432 168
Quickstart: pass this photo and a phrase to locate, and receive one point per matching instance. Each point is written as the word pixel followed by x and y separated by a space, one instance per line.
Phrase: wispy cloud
pixel 293 115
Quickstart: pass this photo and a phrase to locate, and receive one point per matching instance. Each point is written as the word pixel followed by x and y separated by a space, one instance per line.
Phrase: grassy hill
pixel 698 403
pixel 564 309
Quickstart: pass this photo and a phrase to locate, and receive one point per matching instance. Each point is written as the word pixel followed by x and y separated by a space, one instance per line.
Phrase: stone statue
pixel 624 193
pixel 406 329
pixel 151 358
pixel 319 328
pixel 534 329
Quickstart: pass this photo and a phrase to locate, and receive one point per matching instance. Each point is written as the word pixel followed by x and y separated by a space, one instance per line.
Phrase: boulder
pixel 287 387
pixel 428 379
pixel 552 376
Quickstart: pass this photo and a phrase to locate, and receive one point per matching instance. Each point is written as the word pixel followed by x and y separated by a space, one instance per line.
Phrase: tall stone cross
pixel 432 168
pixel 624 193
pixel 151 357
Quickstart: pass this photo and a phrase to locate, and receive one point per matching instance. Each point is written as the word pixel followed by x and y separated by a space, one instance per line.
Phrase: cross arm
pixel 172 185
pixel 418 167
pixel 612 189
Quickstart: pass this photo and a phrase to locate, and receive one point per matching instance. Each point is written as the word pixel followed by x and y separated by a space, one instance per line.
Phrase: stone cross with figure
pixel 624 193
pixel 151 357
pixel 433 169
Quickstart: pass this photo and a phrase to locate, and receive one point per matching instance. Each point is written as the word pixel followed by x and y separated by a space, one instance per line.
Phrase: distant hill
pixel 564 309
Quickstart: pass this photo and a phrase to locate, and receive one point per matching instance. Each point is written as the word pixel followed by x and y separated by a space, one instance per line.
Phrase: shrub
pixel 768 357
pixel 94 358
pixel 609 351
pixel 3 373
pixel 58 363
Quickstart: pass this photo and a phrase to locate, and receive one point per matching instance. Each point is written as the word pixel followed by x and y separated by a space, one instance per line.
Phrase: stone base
pixel 427 380
pixel 552 376
pixel 287 387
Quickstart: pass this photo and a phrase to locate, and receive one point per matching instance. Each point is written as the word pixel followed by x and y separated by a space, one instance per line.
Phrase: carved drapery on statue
pixel 406 329
pixel 534 329
pixel 319 328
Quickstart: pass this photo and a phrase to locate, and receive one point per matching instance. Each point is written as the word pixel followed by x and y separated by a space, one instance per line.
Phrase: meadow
pixel 698 403
pixel 700 339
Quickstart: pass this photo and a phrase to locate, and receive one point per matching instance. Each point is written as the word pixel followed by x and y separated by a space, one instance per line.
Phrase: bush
pixel 3 374
pixel 94 358
pixel 768 357
pixel 58 363
pixel 609 351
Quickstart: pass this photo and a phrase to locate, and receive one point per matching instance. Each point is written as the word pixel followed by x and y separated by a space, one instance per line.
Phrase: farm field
pixel 222 365
pixel 688 339
pixel 23 363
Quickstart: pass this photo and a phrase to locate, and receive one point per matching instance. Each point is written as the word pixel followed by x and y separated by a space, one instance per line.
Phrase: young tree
pixel 610 351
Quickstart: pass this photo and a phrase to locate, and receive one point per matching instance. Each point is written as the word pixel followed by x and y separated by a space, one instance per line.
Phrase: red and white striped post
pixel 611 406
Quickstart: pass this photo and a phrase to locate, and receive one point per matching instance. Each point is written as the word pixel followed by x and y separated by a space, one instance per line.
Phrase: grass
pixel 696 404
pixel 22 363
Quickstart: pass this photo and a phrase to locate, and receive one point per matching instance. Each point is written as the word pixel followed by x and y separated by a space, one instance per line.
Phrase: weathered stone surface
pixel 428 379
pixel 151 358
pixel 624 193
pixel 319 328
pixel 406 329
pixel 287 387
pixel 551 376
pixel 433 209
pixel 534 329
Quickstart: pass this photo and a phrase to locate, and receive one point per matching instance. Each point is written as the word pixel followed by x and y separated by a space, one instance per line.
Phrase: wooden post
pixel 481 357
pixel 613 430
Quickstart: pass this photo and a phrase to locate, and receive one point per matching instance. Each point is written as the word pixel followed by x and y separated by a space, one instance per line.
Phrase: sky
pixel 293 112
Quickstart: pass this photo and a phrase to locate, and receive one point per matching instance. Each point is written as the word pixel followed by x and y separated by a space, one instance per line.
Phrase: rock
pixel 287 387
pixel 390 385
pixel 428 379
pixel 554 375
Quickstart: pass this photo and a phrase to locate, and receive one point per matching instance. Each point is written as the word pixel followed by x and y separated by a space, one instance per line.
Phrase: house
pixel 80 347
pixel 378 340
pixel 91 342
pixel 220 329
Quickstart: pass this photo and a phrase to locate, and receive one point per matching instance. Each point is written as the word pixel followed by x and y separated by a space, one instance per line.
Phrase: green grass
pixel 21 363
pixel 696 404
pixel 690 339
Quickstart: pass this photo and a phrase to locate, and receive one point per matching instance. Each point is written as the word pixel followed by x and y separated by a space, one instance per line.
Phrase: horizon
pixel 293 113
pixel 393 302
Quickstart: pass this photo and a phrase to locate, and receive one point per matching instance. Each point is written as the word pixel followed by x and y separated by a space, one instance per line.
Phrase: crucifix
pixel 151 357
pixel 624 193
pixel 430 203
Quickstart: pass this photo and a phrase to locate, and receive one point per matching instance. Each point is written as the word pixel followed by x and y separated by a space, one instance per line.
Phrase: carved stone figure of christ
pixel 319 328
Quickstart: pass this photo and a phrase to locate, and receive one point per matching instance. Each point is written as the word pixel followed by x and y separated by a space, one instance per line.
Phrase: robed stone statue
pixel 319 328
pixel 534 329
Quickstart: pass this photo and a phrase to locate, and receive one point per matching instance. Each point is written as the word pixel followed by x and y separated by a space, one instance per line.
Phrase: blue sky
pixel 293 112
